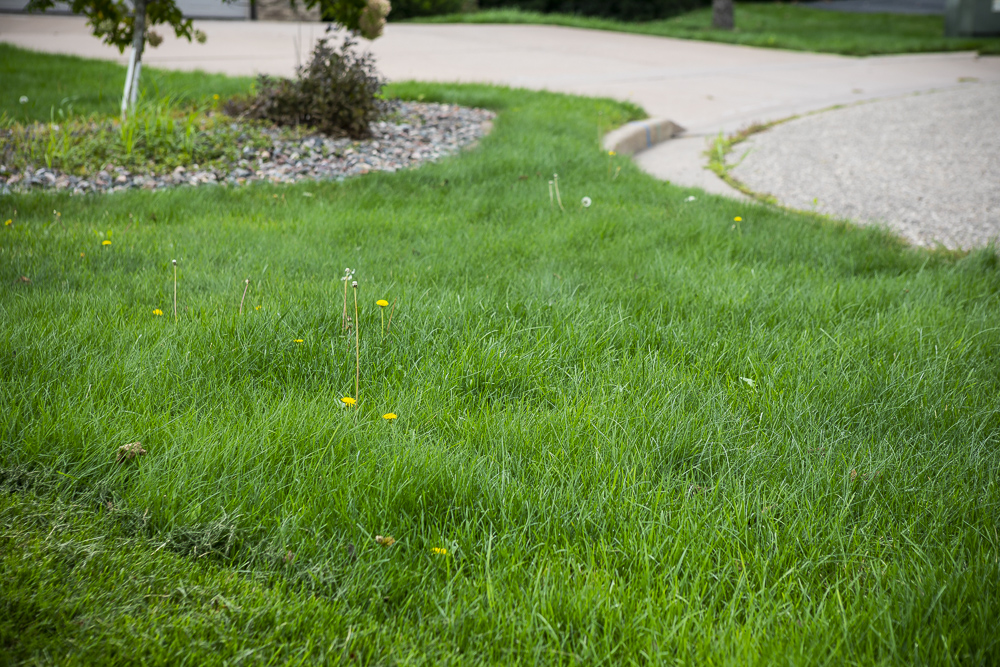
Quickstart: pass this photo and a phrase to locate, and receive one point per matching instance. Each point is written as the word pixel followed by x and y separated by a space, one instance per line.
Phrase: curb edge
pixel 639 135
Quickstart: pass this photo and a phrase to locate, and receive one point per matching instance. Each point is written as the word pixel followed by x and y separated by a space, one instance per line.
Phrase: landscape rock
pixel 417 132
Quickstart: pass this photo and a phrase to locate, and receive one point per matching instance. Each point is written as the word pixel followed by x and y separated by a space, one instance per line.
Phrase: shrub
pixel 336 92
pixel 624 10
pixel 405 9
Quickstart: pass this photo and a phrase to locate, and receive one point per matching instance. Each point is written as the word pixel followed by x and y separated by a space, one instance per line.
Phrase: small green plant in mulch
pixel 160 135
pixel 338 93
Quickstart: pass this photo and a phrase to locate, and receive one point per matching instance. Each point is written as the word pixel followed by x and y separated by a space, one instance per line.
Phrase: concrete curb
pixel 639 135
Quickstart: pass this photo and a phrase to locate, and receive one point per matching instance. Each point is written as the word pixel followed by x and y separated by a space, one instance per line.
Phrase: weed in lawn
pixel 382 303
pixel 555 185
pixel 388 326
pixel 246 286
pixel 345 320
pixel 174 262
pixel 357 343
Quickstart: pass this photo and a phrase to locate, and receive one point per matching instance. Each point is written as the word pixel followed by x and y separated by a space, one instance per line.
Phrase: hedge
pixel 624 10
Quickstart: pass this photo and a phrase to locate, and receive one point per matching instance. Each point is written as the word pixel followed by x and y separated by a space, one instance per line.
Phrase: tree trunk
pixel 722 14
pixel 131 92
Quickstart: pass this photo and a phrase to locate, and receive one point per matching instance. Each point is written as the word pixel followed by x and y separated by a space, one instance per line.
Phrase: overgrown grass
pixel 778 25
pixel 641 430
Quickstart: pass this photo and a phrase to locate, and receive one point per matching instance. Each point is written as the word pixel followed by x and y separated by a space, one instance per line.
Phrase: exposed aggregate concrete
pixel 927 166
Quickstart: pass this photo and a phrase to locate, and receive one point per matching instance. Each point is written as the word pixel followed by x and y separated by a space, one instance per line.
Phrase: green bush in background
pixel 405 9
pixel 624 10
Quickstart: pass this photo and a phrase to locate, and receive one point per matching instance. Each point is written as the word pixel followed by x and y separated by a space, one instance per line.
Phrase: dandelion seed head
pixel 23 99
pixel 586 202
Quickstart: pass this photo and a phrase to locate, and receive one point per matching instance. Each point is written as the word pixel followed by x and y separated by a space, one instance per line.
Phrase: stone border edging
pixel 639 135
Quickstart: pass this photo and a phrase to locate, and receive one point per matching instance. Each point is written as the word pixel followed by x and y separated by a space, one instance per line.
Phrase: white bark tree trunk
pixel 131 92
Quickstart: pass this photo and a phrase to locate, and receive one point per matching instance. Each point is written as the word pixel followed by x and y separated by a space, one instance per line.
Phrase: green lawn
pixel 641 431
pixel 781 26
pixel 61 86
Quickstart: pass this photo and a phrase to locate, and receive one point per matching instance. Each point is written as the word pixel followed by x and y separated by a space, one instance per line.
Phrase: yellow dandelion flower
pixel 215 97
pixel 298 340
pixel 382 303
pixel 82 255
pixel 8 222
pixel 256 307
pixel 389 415
pixel 105 242
pixel 157 312
pixel 612 153
pixel 738 219
pixel 439 551
pixel 347 400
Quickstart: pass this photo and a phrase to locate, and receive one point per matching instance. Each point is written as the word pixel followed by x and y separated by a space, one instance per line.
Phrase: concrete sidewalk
pixel 705 87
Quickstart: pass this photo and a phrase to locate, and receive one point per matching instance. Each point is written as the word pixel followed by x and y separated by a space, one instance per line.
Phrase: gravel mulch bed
pixel 927 166
pixel 417 132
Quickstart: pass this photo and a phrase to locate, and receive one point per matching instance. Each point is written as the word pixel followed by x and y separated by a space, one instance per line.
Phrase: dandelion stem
pixel 343 319
pixel 175 289
pixel 390 315
pixel 357 346
pixel 551 201
pixel 555 179
pixel 245 288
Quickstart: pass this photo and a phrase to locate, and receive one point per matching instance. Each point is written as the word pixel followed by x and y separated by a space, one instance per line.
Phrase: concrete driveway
pixel 704 87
